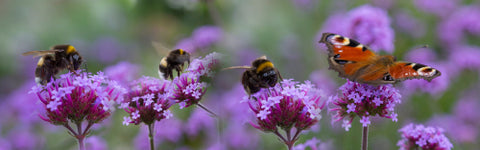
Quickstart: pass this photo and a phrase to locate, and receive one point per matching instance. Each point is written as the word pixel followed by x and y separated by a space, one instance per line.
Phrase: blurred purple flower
pixel 96 143
pixel 25 139
pixel 460 130
pixel 367 24
pixel 147 101
pixel 287 105
pixel 240 137
pixel 108 49
pixel 465 19
pixel 323 81
pixel 187 44
pixel 123 72
pixel 202 38
pixel 364 100
pixel 409 24
pixel 24 108
pixel 305 5
pixel 465 57
pixel 205 36
pixel 314 144
pixel 170 130
pixel 427 138
pixel 384 4
pixel 199 121
pixel 438 7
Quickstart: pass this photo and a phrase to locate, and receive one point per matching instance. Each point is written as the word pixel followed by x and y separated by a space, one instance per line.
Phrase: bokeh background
pixel 127 38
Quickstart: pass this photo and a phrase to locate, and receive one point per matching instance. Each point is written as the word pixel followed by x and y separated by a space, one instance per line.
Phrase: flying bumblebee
pixel 52 61
pixel 262 74
pixel 174 60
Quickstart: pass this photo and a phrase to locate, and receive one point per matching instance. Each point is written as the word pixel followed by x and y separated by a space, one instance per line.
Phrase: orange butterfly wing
pixel 347 56
pixel 358 63
pixel 405 70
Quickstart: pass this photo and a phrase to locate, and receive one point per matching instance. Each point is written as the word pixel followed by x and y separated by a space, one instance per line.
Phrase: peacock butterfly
pixel 358 63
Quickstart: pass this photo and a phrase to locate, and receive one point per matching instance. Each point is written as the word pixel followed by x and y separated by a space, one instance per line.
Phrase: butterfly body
pixel 358 63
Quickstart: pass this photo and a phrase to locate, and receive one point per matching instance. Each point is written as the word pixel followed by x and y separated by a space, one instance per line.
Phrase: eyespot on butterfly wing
pixel 356 62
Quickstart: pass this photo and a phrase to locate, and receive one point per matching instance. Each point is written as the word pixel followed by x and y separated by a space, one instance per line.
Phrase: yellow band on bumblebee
pixel 70 49
pixel 264 65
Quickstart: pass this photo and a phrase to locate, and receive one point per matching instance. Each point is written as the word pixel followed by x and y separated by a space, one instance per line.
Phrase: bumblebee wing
pixel 160 48
pixel 40 53
pixel 237 67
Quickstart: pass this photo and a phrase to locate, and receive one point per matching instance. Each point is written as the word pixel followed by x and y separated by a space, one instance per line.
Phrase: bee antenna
pixel 237 67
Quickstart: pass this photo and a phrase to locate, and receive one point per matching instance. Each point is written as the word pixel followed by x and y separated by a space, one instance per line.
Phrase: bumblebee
pixel 262 74
pixel 52 61
pixel 174 60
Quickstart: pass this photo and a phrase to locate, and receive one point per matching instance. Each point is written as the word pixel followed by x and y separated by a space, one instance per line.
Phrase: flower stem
pixel 365 138
pixel 208 110
pixel 81 144
pixel 80 136
pixel 150 135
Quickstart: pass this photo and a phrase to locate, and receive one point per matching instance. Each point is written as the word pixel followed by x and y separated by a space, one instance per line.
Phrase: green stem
pixel 365 138
pixel 150 135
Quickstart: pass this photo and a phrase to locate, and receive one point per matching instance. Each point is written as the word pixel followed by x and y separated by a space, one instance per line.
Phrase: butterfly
pixel 358 63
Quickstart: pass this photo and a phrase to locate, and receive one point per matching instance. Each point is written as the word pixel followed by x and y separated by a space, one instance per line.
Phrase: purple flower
pixel 202 38
pixel 77 98
pixel 146 93
pixel 287 105
pixel 427 138
pixel 364 100
pixel 451 30
pixel 323 81
pixel 188 88
pixel 409 24
pixel 107 49
pixel 204 66
pixel 197 121
pixel 304 5
pixel 367 24
pixel 20 106
pixel 123 72
pixel 96 143
pixel 186 44
pixel 437 7
pixel 205 36
pixel 459 129
pixel 314 144
pixel 465 57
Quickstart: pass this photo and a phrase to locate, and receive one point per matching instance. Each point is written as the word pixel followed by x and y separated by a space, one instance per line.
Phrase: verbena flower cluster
pixel 364 101
pixel 188 88
pixel 288 104
pixel 426 138
pixel 75 98
pixel 147 101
